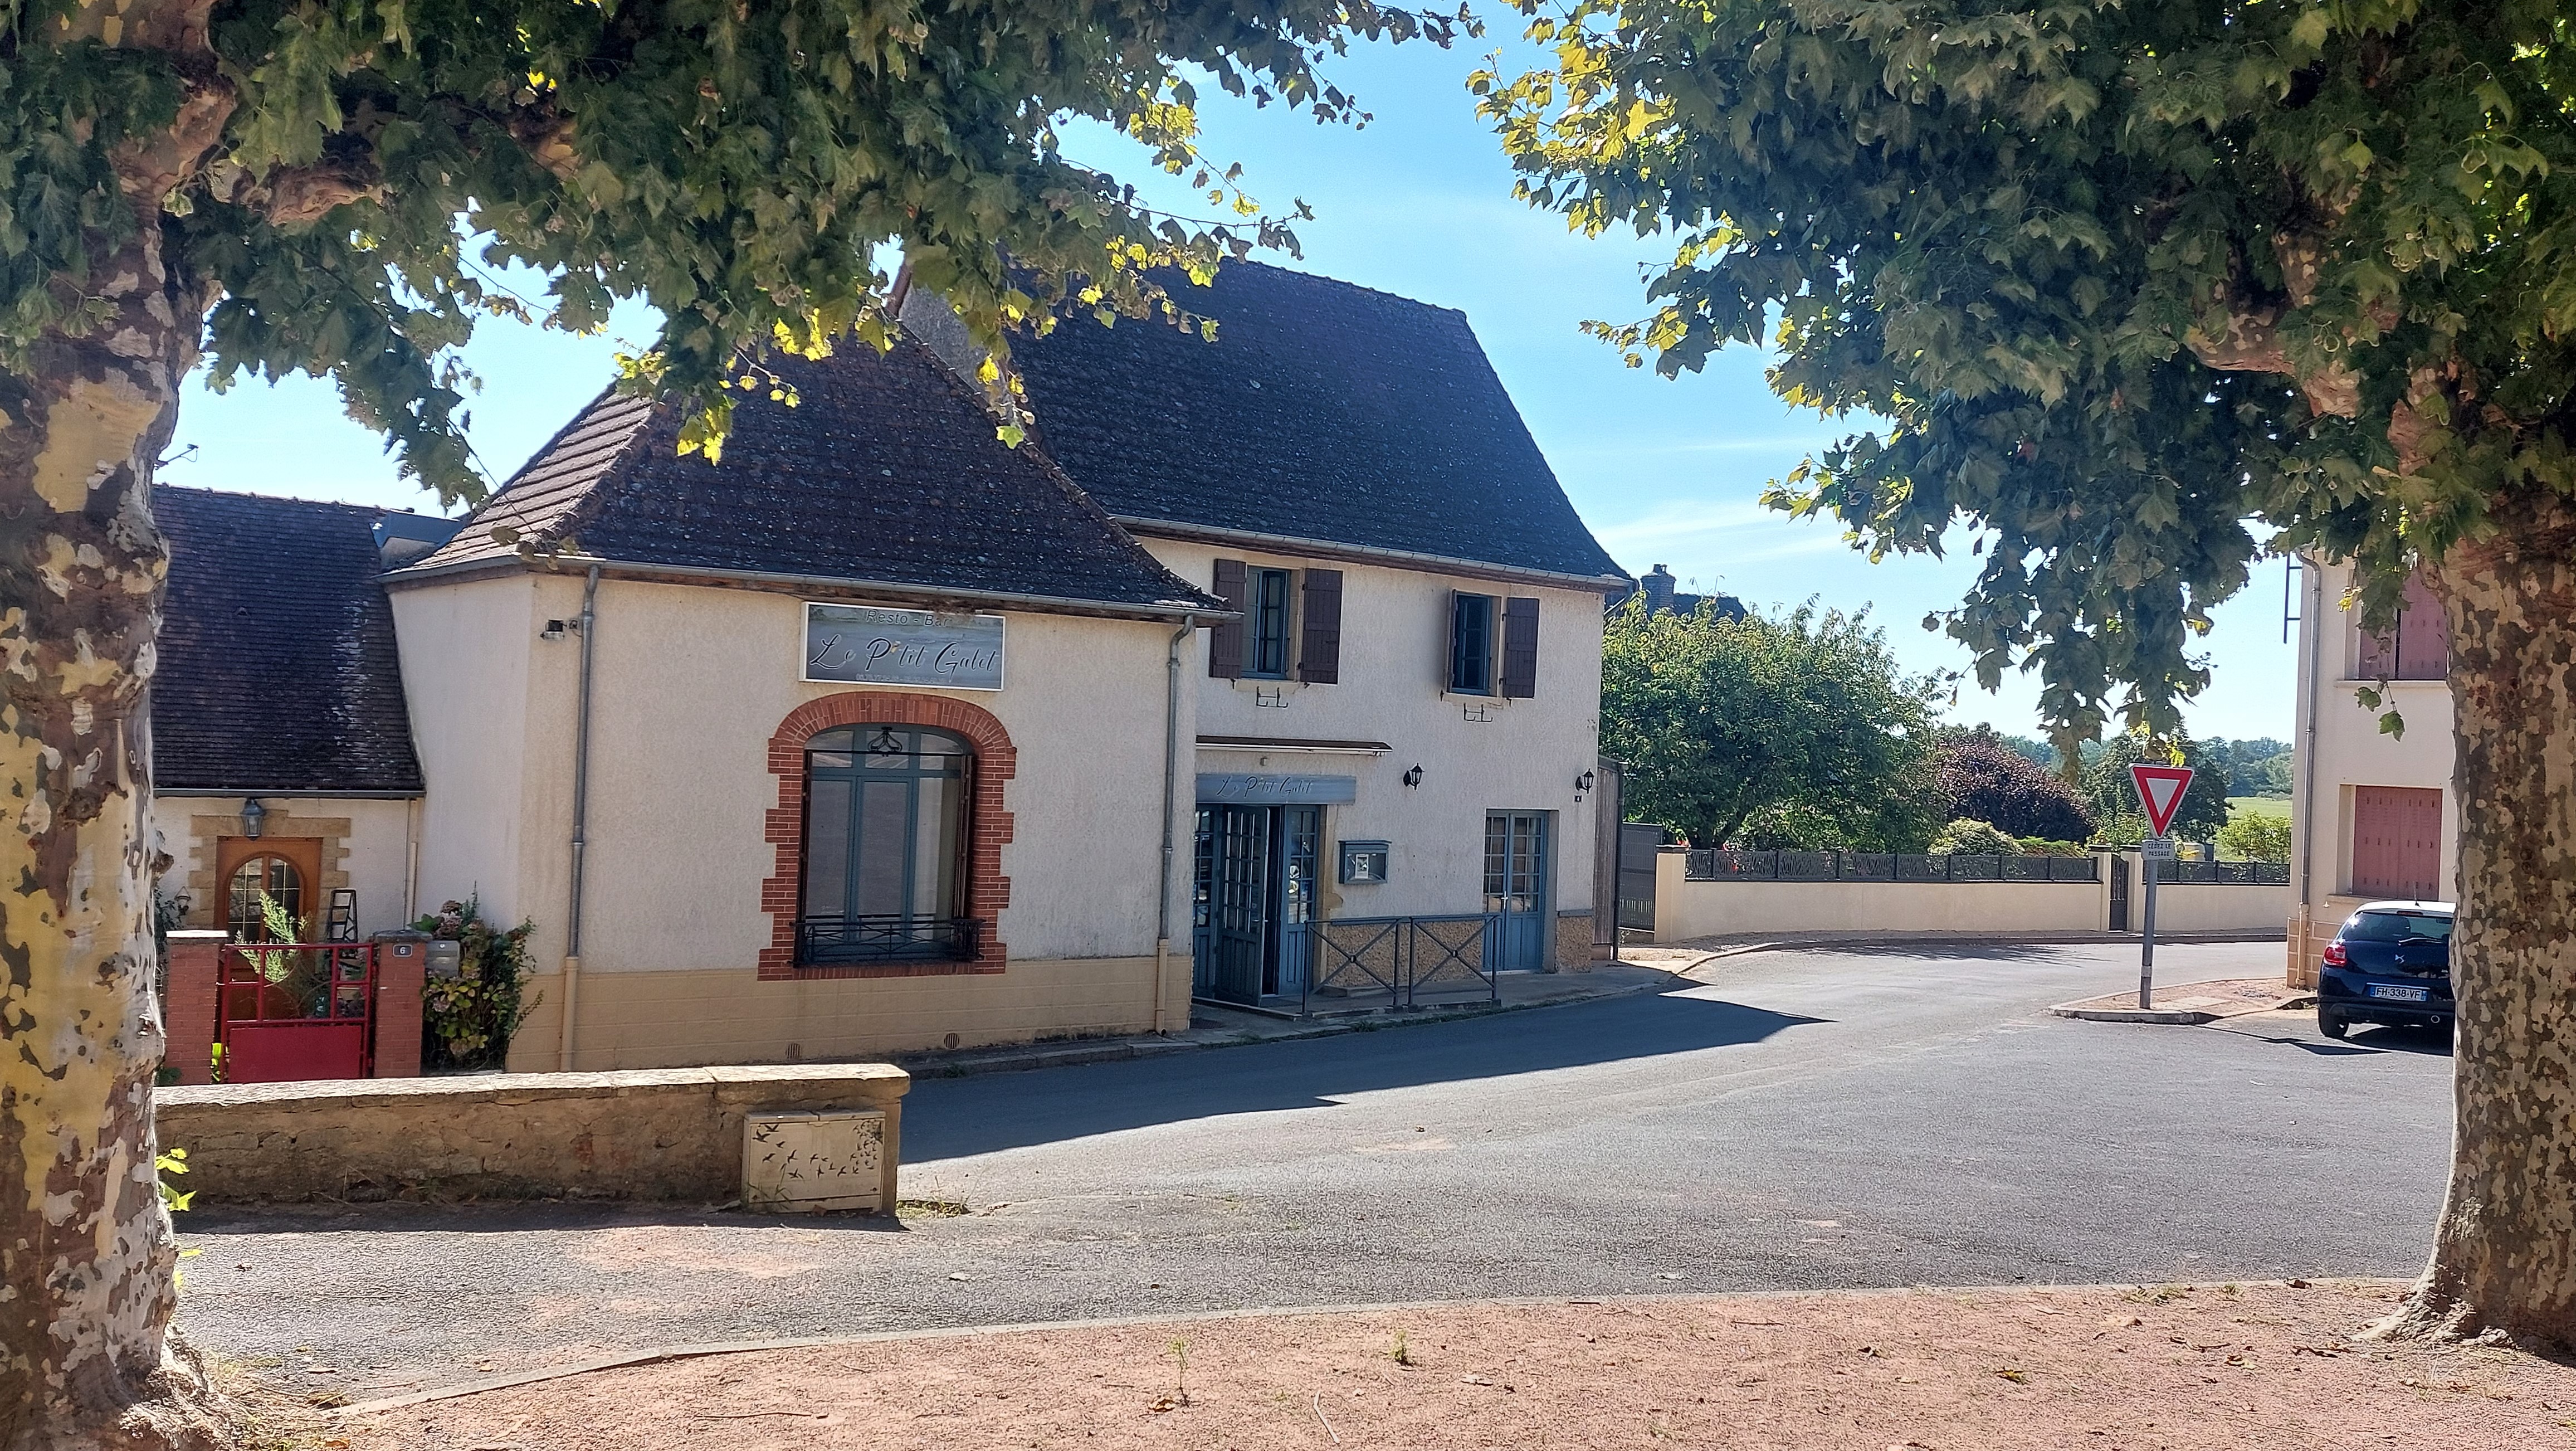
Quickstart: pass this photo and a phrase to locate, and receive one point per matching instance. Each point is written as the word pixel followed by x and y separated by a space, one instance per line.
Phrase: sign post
pixel 2160 791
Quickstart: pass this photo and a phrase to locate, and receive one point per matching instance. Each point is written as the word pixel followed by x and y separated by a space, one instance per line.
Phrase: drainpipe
pixel 2316 632
pixel 1171 796
pixel 580 822
pixel 411 862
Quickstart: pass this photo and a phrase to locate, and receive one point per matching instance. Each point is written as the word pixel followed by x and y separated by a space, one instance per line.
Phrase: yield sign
pixel 2160 790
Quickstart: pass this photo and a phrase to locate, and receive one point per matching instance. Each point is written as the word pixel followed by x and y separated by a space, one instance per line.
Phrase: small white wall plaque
pixel 810 1163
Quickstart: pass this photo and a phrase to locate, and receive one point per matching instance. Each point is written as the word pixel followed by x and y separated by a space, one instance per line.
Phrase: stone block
pixel 806 1163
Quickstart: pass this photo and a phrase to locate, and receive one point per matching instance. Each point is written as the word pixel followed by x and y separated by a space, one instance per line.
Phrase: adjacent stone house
pixel 2374 815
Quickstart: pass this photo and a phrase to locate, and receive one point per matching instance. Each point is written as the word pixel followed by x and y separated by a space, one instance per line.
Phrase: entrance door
pixel 260 877
pixel 1257 884
pixel 1235 877
pixel 1300 830
pixel 1517 935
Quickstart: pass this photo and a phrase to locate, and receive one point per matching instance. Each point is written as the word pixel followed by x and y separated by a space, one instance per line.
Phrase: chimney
pixel 1657 587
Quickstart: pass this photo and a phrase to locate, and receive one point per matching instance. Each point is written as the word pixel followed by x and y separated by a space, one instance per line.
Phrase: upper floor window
pixel 1493 645
pixel 885 846
pixel 1289 625
pixel 1471 644
pixel 1266 639
pixel 2419 648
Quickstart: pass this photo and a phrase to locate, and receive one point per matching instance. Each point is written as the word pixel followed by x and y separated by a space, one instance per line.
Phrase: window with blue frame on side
pixel 1471 644
pixel 1266 655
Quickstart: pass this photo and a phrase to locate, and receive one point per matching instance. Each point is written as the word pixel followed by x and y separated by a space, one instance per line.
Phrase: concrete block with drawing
pixel 811 1163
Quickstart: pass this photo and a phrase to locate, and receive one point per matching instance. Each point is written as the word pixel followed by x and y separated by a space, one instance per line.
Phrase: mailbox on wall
pixel 1363 863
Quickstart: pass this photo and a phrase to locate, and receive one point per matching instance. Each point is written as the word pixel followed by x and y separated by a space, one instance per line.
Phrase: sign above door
pixel 867 645
pixel 1262 788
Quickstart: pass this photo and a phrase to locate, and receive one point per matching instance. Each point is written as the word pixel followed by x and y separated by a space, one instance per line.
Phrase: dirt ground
pixel 2174 1368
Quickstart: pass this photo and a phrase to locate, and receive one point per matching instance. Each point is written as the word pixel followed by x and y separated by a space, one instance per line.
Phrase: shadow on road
pixel 2370 1043
pixel 955 1118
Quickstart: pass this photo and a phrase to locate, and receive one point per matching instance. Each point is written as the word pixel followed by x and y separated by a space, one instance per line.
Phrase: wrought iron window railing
pixel 887 937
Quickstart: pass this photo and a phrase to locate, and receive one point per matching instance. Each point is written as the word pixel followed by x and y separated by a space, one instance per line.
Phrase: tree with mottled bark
pixel 344 187
pixel 2128 295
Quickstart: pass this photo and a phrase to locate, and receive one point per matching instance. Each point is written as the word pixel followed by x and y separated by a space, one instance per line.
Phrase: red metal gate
pixel 288 1011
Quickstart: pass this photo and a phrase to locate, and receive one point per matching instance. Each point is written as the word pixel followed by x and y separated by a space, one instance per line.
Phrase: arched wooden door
pixel 286 869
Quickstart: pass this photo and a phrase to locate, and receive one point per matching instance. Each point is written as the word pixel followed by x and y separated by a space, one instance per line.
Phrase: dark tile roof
pixel 1656 585
pixel 1322 411
pixel 886 472
pixel 277 669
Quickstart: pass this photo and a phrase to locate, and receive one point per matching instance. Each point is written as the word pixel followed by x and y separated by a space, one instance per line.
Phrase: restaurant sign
pixel 1286 790
pixel 865 645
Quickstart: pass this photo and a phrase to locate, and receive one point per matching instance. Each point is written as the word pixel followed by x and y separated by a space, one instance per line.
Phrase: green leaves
pixel 740 165
pixel 1797 725
pixel 2141 290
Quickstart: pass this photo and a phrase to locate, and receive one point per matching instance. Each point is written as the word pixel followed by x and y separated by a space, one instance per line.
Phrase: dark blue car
pixel 2390 964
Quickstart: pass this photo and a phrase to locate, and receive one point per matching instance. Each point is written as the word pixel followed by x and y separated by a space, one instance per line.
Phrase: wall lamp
pixel 1582 784
pixel 252 814
pixel 1413 777
pixel 555 629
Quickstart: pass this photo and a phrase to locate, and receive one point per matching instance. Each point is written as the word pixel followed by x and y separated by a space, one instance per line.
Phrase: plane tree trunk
pixel 86 1290
pixel 2504 1252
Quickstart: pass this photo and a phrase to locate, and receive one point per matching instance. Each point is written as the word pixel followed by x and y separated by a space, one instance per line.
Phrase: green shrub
pixel 1974 838
pixel 2255 836
pixel 469 1018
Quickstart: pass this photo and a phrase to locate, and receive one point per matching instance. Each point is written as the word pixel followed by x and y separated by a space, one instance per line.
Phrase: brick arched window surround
pixel 988 826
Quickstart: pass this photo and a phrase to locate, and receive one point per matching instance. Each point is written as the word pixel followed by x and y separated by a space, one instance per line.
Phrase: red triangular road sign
pixel 2160 790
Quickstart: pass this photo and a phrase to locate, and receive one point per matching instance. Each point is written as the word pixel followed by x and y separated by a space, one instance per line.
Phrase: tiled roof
pixel 277 669
pixel 1322 411
pixel 887 472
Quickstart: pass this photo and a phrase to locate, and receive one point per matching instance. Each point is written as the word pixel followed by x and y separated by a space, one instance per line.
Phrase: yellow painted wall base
pixel 689 1019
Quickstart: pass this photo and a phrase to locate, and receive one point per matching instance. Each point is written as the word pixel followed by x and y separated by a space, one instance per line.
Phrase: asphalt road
pixel 1825 1119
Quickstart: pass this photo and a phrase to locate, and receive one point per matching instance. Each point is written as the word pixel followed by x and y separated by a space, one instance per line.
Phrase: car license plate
pixel 2398 994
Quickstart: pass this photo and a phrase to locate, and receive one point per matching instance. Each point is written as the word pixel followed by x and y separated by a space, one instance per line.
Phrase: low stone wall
pixel 666 1134
pixel 1685 910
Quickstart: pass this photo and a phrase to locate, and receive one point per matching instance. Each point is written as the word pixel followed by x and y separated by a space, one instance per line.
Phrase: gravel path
pixel 2206 1368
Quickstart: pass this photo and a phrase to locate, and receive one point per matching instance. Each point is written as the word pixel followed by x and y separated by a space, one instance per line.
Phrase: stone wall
pixel 1574 941
pixel 655 1134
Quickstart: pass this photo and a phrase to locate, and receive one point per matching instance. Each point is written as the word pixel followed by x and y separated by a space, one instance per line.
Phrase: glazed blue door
pixel 1300 831
pixel 1517 938
pixel 1253 920
pixel 1237 889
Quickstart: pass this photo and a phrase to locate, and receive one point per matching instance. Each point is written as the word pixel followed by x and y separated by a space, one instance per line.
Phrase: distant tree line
pixel 1798 729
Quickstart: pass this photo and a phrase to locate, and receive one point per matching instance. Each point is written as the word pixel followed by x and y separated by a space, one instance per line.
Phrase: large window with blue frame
pixel 885 845
pixel 1267 599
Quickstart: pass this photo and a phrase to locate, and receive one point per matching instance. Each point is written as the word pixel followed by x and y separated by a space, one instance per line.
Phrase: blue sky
pixel 1418 203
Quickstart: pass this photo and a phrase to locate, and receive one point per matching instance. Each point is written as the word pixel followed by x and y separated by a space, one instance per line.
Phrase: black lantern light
pixel 1582 784
pixel 1413 777
pixel 252 814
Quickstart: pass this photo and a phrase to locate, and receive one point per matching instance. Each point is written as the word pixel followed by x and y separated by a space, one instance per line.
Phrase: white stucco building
pixel 880 735
pixel 2373 815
